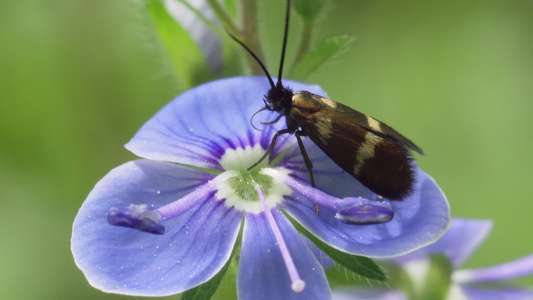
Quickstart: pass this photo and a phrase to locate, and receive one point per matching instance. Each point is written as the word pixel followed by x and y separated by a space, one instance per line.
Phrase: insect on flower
pixel 369 150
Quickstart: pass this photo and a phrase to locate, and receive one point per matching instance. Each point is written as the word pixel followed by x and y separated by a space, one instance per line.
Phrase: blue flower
pixel 179 211
pixel 457 245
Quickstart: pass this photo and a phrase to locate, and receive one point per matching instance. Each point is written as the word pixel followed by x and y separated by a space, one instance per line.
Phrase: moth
pixel 372 152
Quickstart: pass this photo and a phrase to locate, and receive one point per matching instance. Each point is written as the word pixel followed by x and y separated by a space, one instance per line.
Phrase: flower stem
pixel 249 33
pixel 222 15
pixel 305 43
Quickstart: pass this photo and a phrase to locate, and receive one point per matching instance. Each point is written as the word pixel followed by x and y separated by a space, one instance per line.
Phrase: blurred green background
pixel 79 78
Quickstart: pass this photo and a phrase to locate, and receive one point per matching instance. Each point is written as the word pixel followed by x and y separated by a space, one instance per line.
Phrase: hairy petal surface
pixel 194 248
pixel 197 127
pixel 262 272
pixel 418 220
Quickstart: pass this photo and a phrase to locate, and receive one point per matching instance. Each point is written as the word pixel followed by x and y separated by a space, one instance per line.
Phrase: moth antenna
pixel 256 59
pixel 252 118
pixel 284 46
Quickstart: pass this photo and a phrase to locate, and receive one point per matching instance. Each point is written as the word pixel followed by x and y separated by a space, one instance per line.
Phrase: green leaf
pixel 309 10
pixel 188 63
pixel 361 265
pixel 208 289
pixel 322 53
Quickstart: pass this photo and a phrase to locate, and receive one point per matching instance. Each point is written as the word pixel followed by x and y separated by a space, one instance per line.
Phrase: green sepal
pixel 309 10
pixel 187 61
pixel 361 265
pixel 325 51
pixel 207 290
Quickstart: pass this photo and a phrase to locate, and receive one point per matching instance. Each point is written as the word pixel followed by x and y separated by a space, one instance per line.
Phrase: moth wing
pixel 380 163
pixel 378 128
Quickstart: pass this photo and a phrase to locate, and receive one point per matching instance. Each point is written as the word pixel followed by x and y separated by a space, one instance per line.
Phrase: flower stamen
pixel 178 207
pixel 298 284
pixel 350 210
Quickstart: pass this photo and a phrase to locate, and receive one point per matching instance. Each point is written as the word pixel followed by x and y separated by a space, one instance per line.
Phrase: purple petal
pixel 514 269
pixel 473 293
pixel 262 272
pixel 459 242
pixel 197 127
pixel 418 220
pixel 194 247
pixel 367 294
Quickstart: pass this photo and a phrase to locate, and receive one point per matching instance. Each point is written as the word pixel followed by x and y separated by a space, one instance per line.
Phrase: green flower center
pixel 239 190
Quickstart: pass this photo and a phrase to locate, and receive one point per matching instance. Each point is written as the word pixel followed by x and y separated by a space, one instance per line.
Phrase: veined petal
pixel 197 127
pixel 262 272
pixel 194 248
pixel 460 241
pixel 418 220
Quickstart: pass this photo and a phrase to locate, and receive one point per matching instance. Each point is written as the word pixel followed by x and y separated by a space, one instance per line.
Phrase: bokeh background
pixel 78 78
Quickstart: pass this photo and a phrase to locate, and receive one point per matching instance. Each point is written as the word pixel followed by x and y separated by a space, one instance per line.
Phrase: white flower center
pixel 239 190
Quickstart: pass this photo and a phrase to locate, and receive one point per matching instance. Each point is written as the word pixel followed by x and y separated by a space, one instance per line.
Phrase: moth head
pixel 279 98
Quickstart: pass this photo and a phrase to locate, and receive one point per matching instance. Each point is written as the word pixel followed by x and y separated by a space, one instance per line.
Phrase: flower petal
pixel 194 248
pixel 459 242
pixel 418 220
pixel 473 293
pixel 198 126
pixel 262 272
pixel 367 294
pixel 514 269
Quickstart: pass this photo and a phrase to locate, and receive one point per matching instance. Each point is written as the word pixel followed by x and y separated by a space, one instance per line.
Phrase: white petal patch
pixel 238 190
pixel 241 159
pixel 455 293
pixel 418 270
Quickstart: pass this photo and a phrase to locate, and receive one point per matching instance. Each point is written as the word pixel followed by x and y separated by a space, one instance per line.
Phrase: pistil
pixel 298 284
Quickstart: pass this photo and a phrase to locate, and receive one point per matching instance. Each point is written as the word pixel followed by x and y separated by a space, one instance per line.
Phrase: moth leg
pixel 271 147
pixel 307 161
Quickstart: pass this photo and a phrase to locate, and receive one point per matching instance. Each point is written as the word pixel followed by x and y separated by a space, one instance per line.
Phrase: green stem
pixel 223 16
pixel 198 14
pixel 249 33
pixel 305 44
